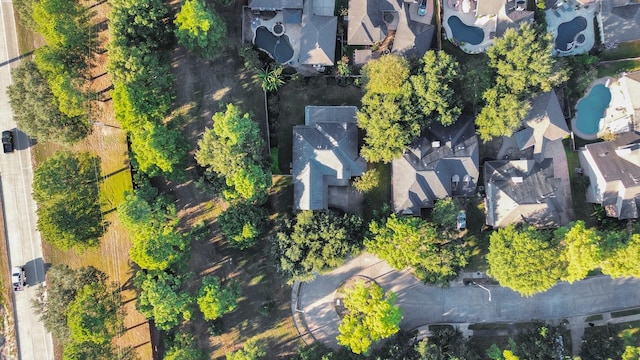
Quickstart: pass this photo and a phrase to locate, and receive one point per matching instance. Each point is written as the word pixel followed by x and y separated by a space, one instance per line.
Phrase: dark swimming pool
pixel 465 33
pixel 278 47
pixel 567 32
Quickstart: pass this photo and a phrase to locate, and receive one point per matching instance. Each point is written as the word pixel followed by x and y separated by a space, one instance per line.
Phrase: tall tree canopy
pixel 621 258
pixel 436 257
pixel 433 94
pixel 525 260
pixel 161 299
pixel 216 299
pixel 397 104
pixel 36 110
pixel 371 315
pixel 234 148
pixel 157 243
pixel 65 186
pixel 581 250
pixel 315 242
pixel 523 66
pixel 200 29
pixel 92 316
pixel 243 224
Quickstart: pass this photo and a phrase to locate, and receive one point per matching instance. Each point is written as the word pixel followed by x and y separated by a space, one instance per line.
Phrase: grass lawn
pixel 379 196
pixel 581 208
pixel 295 95
pixel 615 68
pixel 476 239
pixel 624 50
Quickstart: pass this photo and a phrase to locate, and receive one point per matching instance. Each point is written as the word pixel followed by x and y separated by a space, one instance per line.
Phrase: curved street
pixel 424 304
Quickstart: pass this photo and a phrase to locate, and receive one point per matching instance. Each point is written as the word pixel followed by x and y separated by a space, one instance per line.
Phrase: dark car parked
pixel 7 141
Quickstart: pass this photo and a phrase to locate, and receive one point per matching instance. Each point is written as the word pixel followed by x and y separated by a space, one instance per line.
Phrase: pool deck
pixel 293 32
pixel 566 12
pixel 616 118
pixel 486 23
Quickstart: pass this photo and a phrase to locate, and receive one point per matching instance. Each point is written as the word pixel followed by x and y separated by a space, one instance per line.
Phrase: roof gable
pixel 318 40
pixel 544 122
pixel 440 164
pixel 522 191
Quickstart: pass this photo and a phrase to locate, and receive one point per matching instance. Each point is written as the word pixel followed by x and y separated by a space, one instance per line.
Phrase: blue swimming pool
pixel 465 33
pixel 278 47
pixel 567 32
pixel 591 109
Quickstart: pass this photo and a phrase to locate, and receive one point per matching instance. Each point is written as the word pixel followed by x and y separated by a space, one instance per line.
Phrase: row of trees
pixel 315 242
pixel 161 251
pixel 50 96
pixel 529 260
pixel 402 99
pixel 143 84
pixel 81 309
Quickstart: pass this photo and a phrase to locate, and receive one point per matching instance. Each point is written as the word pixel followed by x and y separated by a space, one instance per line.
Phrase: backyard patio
pixel 571 25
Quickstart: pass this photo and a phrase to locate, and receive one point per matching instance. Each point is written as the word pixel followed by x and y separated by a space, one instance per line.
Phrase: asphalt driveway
pixel 459 303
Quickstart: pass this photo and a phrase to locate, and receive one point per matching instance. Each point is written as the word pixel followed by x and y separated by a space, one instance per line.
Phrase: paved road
pixel 459 303
pixel 16 176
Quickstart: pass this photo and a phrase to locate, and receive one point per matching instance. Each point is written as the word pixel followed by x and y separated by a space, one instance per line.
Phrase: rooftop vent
pixel 517 179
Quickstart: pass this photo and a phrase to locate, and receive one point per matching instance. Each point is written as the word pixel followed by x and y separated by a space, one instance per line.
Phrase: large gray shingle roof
pixel 325 153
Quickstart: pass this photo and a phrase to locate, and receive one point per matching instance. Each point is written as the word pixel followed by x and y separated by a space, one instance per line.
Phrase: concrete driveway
pixel 459 303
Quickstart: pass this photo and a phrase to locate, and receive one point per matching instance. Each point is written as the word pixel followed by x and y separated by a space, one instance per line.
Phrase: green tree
pixel 371 316
pixel 603 344
pixel 386 113
pixel 541 343
pixel 66 190
pixel 200 29
pixel 476 79
pixel 251 350
pixel 160 299
pixel 524 260
pixel 581 250
pixel 622 259
pixel 243 224
pixel 234 148
pixel 36 109
pixel 433 94
pixel 315 242
pixel 215 300
pixel 139 23
pixel 388 131
pixel 388 75
pixel 445 213
pixel 368 181
pixel 92 316
pixel 89 351
pixel 157 243
pixel 183 347
pixel 158 149
pixel 436 257
pixel 64 283
pixel 445 343
pixel 523 66
pixel 64 24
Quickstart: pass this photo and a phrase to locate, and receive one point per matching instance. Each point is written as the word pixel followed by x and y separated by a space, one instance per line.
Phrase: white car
pixel 18 278
pixel 461 221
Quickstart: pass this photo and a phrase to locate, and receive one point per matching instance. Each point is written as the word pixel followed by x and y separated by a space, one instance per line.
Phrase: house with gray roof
pixel 545 122
pixel 297 33
pixel 522 191
pixel 442 163
pixel 613 168
pixel 325 157
pixel 630 83
pixel 619 21
pixel 373 21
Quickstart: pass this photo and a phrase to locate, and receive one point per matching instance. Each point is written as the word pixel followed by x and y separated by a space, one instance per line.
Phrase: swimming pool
pixel 591 109
pixel 465 33
pixel 278 47
pixel 567 32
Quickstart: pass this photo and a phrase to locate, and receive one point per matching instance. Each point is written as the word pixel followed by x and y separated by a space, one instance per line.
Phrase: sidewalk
pixel 459 303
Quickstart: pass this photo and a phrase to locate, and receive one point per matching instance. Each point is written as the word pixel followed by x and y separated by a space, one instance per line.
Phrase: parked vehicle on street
pixel 18 278
pixel 7 141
